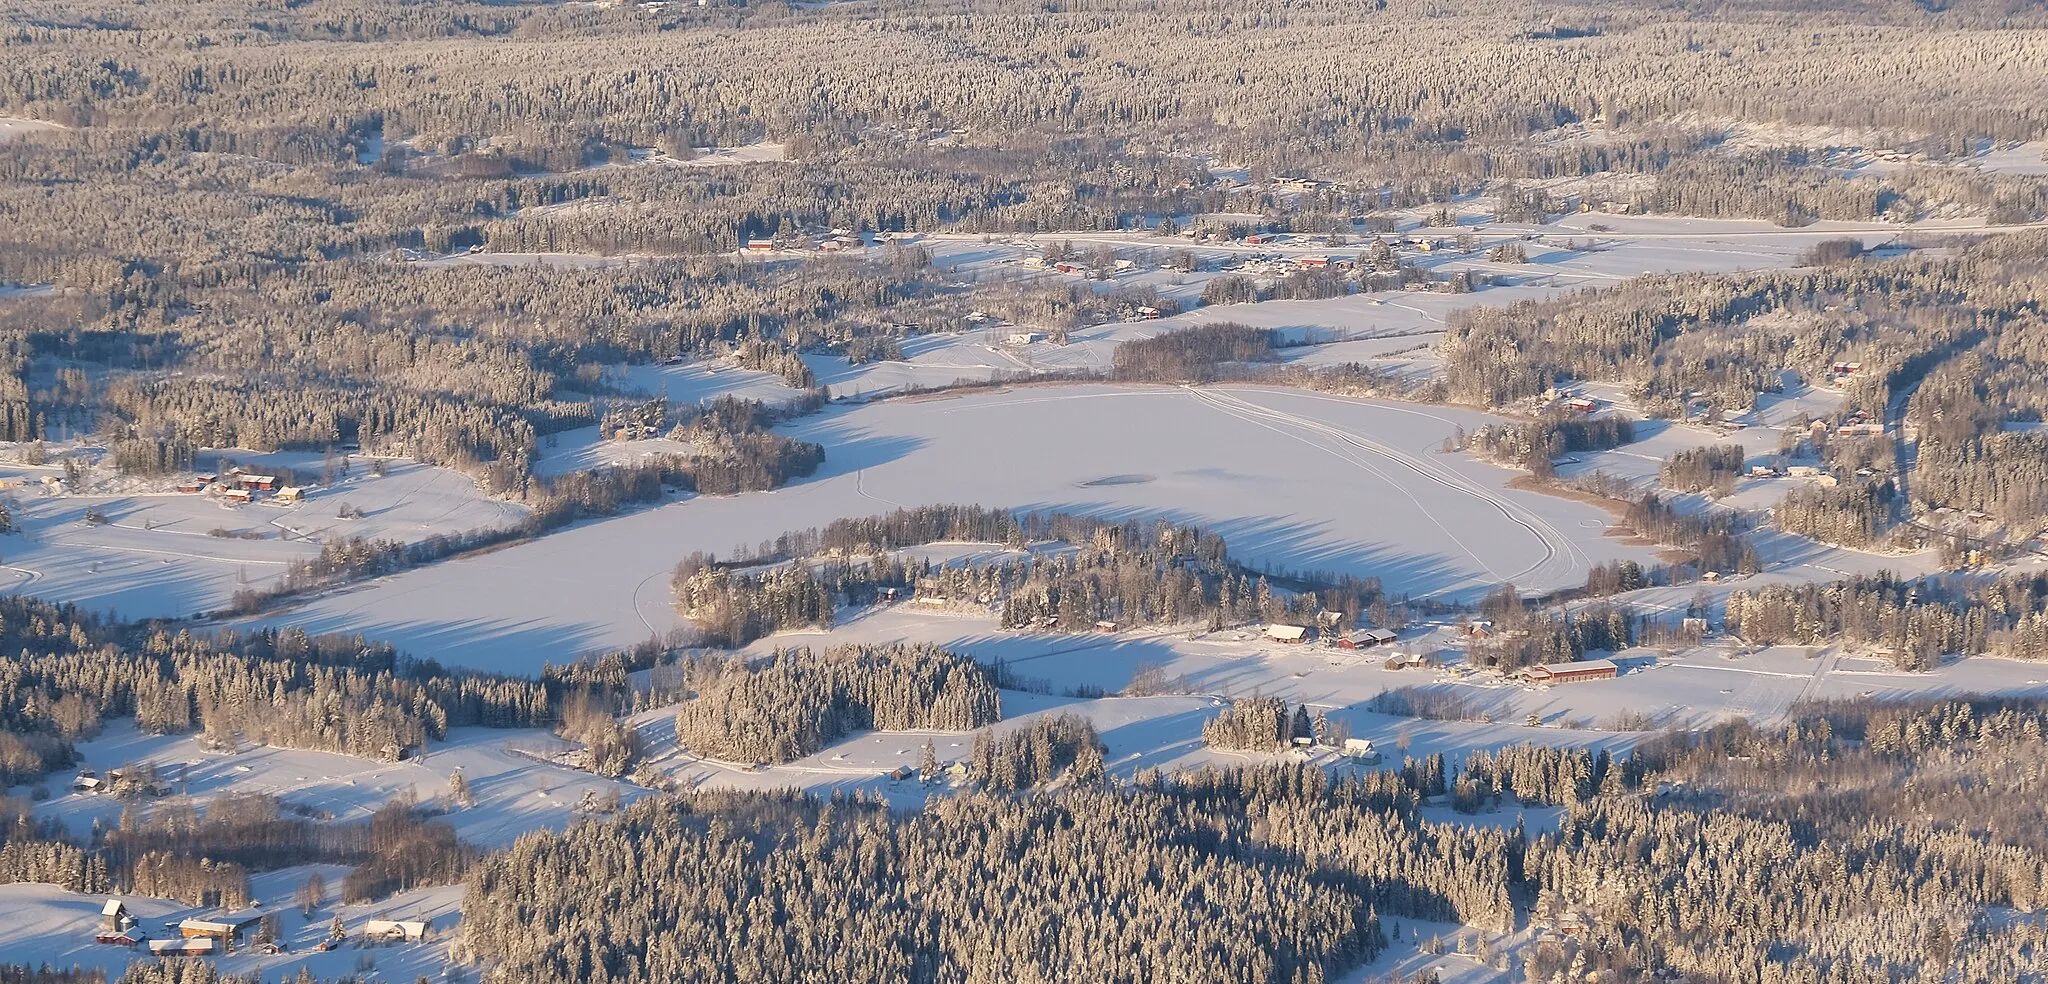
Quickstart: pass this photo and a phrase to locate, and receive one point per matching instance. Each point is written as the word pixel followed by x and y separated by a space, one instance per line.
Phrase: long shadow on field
pixel 1075 659
pixel 1162 740
pixel 488 645
pixel 850 448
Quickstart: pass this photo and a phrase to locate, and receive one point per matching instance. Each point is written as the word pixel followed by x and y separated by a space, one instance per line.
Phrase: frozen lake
pixel 1294 480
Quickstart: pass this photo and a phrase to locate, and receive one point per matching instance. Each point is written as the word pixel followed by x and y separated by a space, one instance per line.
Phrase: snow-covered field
pixel 12 127
pixel 515 791
pixel 1295 481
pixel 44 925
pixel 165 553
pixel 1574 252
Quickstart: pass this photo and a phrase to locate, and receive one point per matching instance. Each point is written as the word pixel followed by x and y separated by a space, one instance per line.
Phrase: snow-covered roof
pixel 1580 666
pixel 410 928
pixel 1286 632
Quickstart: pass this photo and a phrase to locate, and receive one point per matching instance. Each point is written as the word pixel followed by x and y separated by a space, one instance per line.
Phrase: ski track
pixel 1555 544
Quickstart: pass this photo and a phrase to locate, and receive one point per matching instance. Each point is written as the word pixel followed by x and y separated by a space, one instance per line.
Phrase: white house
pixel 409 930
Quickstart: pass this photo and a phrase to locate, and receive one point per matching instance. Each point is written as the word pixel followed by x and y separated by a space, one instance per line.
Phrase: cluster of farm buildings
pixel 239 486
pixel 229 933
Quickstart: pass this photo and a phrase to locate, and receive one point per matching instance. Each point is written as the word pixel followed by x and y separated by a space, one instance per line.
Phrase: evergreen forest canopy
pixel 222 196
pixel 231 223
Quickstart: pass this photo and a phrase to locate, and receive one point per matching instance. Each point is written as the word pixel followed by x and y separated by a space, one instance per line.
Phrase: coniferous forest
pixel 585 261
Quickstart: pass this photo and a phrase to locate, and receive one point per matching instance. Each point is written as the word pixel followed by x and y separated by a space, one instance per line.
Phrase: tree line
pixel 795 702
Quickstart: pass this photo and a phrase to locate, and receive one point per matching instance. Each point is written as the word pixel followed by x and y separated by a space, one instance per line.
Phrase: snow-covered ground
pixel 166 553
pixel 514 789
pixel 13 127
pixel 46 925
pixel 690 383
pixel 1686 687
pixel 1296 481
pixel 1573 252
pixel 2025 158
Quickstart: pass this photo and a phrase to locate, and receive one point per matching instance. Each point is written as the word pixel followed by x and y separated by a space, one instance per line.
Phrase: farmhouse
pixel 1025 337
pixel 1291 634
pixel 260 483
pixel 239 495
pixel 127 938
pixel 1412 659
pixel 760 245
pixel 1361 749
pixel 1582 404
pixel 1312 262
pixel 1585 669
pixel 290 493
pixel 88 782
pixel 1106 625
pixel 194 485
pixel 1260 238
pixel 409 930
pixel 1847 368
pixel 1148 314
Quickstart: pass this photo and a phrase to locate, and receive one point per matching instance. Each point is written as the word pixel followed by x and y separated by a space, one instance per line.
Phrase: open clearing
pixel 161 552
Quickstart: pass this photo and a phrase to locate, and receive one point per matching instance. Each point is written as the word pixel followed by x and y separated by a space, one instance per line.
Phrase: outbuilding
pixel 227 930
pixel 1291 634
pixel 1575 672
pixel 198 947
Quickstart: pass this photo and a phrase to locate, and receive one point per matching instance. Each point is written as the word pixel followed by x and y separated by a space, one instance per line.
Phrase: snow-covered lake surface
pixel 1295 481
